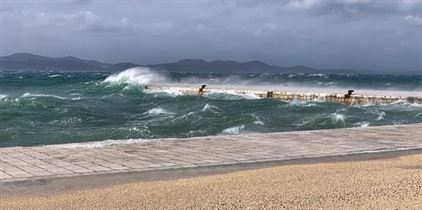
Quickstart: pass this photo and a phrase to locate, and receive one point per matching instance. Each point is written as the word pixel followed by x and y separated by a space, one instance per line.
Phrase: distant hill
pixel 31 62
pixel 198 65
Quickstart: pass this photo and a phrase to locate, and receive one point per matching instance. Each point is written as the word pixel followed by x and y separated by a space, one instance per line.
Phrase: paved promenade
pixel 23 163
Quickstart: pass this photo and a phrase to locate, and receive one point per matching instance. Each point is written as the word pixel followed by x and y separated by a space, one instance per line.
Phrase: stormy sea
pixel 44 108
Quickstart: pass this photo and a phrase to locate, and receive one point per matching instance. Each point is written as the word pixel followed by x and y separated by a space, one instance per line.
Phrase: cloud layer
pixel 358 34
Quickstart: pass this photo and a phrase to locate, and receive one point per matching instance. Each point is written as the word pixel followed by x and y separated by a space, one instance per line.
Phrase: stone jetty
pixel 348 97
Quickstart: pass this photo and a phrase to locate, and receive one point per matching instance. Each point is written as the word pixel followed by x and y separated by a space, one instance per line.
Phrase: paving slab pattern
pixel 23 163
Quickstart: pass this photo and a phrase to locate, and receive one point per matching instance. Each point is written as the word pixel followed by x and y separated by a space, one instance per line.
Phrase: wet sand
pixel 389 183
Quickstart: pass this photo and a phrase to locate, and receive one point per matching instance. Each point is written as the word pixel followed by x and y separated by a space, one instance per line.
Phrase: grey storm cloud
pixel 357 34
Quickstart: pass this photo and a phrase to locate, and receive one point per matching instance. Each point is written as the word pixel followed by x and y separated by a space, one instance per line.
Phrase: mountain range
pixel 31 62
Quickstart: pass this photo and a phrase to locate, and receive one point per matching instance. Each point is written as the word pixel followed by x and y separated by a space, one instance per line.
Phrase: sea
pixel 104 108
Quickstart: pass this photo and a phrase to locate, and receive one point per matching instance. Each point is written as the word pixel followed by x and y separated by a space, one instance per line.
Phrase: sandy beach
pixel 390 183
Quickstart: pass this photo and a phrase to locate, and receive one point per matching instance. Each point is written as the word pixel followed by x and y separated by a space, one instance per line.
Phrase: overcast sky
pixel 355 34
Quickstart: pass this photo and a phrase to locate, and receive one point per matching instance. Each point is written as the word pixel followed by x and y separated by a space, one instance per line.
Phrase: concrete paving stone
pixel 83 163
pixel 61 163
pixel 100 168
pixel 10 168
pixel 168 164
pixel 28 159
pixel 36 162
pixel 88 160
pixel 101 162
pixel 16 154
pixel 4 176
pixel 46 166
pixel 57 170
pixel 135 166
pixel 21 174
pixel 73 167
pixel 41 173
pixel 12 161
pixel 211 161
pixel 20 164
pixel 154 166
pixel 32 169
pixel 80 170
pixel 117 167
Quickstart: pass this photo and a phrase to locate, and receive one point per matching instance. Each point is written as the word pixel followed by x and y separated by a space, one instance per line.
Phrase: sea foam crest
pixel 230 95
pixel 258 122
pixel 233 130
pixel 362 124
pixel 29 95
pixel 96 144
pixel 136 76
pixel 157 111
pixel 380 116
pixel 209 107
pixel 338 117
pixel 167 92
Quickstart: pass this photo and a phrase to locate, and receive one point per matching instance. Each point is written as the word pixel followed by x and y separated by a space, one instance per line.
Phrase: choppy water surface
pixel 40 108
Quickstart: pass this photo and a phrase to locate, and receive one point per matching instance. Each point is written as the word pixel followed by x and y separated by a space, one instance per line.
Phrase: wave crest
pixel 157 111
pixel 233 130
pixel 136 76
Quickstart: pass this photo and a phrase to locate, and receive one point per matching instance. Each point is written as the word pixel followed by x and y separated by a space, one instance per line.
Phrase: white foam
pixel 55 75
pixel 77 99
pixel 217 92
pixel 233 130
pixel 380 116
pixel 96 144
pixel 196 133
pixel 157 111
pixel 338 117
pixel 3 96
pixel 209 107
pixel 258 122
pixel 167 92
pixel 29 95
pixel 310 104
pixel 316 75
pixel 250 96
pixel 136 76
pixel 67 121
pixel 302 103
pixel 363 124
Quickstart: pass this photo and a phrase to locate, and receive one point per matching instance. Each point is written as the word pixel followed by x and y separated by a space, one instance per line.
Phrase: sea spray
pixel 136 76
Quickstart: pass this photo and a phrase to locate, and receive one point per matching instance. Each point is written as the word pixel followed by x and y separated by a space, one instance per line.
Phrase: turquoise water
pixel 41 108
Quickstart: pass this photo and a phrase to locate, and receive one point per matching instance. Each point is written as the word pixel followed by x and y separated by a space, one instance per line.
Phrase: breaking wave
pixel 233 130
pixel 137 76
